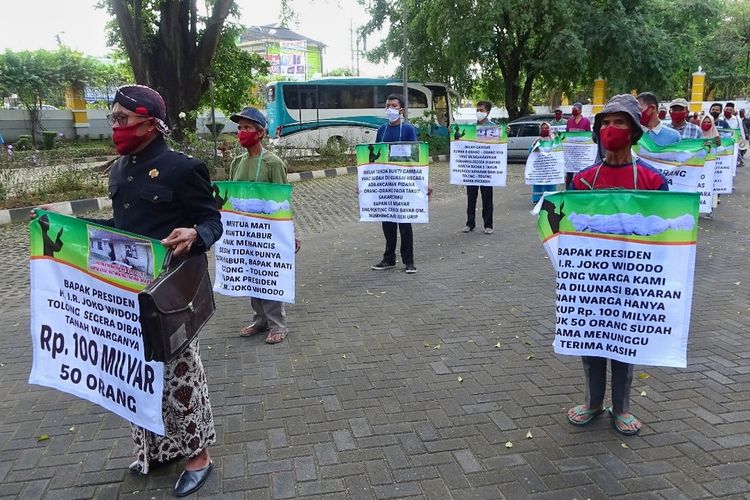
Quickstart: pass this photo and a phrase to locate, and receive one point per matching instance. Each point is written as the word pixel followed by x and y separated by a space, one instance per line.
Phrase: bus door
pixel 441 108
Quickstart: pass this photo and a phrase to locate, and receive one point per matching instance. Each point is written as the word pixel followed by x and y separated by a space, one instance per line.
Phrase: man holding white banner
pixel 260 165
pixel 166 195
pixel 618 128
pixel 472 192
pixel 397 129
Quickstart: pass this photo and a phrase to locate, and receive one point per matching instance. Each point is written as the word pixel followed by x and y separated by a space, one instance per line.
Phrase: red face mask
pixel 646 115
pixel 613 138
pixel 126 140
pixel 558 116
pixel 728 114
pixel 544 132
pixel 678 116
pixel 249 138
pixel 663 114
pixel 576 111
pixel 705 126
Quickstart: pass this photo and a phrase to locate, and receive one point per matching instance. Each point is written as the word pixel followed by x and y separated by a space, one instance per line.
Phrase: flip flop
pixel 250 330
pixel 591 414
pixel 275 337
pixel 626 421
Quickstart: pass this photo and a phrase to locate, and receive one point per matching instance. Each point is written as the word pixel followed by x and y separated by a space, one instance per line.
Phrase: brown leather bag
pixel 174 308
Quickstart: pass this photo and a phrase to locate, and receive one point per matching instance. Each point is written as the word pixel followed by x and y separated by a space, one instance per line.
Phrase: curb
pixel 77 207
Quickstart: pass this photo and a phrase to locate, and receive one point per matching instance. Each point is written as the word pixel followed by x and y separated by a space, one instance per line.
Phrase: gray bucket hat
pixel 623 103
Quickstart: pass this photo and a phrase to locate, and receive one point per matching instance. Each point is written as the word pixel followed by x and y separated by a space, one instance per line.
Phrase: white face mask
pixel 481 115
pixel 392 114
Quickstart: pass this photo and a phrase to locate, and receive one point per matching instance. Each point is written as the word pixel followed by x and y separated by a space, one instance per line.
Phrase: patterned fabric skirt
pixel 188 420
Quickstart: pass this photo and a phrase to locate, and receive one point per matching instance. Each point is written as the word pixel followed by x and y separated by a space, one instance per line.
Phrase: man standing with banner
pixel 472 191
pixel 397 129
pixel 166 195
pixel 618 128
pixel 258 164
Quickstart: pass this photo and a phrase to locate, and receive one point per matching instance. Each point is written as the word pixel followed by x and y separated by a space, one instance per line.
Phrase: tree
pixel 42 75
pixel 502 46
pixel 234 72
pixel 171 47
pixel 287 15
pixel 340 72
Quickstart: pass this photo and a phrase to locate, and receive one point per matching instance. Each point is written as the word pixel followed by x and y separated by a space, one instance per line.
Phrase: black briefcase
pixel 174 307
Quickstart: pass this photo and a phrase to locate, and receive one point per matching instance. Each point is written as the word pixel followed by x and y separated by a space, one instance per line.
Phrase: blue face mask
pixel 392 114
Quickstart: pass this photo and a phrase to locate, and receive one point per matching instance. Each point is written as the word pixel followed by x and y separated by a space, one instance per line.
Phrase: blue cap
pixel 252 114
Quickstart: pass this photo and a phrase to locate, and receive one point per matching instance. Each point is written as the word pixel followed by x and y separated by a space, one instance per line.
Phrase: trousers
pixel 270 313
pixel 595 371
pixel 472 193
pixel 390 231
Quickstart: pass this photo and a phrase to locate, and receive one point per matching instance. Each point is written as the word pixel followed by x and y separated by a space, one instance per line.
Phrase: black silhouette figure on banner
pixel 220 201
pixel 50 247
pixel 552 217
pixel 458 133
pixel 373 156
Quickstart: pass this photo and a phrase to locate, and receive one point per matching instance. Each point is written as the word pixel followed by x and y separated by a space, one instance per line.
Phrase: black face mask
pixel 715 114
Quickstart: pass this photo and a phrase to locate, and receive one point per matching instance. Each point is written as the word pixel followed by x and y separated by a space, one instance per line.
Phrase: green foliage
pixel 340 72
pixel 518 52
pixel 49 139
pixel 36 76
pixel 23 143
pixel 171 46
pixel 234 71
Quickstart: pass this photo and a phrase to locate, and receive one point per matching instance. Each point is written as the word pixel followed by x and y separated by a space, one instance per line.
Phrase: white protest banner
pixel 706 184
pixel 580 150
pixel 393 182
pixel 681 163
pixel 725 158
pixel 479 155
pixel 546 163
pixel 255 254
pixel 85 327
pixel 624 262
pixel 736 137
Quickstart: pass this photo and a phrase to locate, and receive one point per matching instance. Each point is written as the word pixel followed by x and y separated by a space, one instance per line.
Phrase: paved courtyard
pixel 399 386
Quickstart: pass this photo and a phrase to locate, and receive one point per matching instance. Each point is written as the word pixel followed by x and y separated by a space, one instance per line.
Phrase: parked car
pixel 522 132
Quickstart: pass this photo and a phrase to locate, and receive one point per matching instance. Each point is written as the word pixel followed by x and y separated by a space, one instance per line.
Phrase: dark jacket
pixel 158 190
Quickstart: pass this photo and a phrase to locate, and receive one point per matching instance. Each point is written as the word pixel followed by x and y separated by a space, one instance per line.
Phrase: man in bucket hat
pixel 617 128
pixel 257 164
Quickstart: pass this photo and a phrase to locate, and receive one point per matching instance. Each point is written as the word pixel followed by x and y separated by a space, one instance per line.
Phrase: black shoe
pixel 411 269
pixel 382 265
pixel 190 481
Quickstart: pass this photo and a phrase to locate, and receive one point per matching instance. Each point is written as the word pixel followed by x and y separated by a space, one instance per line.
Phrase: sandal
pixel 625 421
pixel 276 336
pixel 590 413
pixel 250 330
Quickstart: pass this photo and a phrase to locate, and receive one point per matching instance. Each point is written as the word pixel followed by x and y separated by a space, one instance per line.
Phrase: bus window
pixel 417 99
pixel 291 99
pixel 330 96
pixel 307 97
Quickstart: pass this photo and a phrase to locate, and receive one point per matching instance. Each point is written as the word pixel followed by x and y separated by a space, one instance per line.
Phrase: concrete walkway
pixel 364 399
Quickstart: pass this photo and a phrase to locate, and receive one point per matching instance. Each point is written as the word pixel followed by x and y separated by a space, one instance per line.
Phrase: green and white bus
pixel 346 111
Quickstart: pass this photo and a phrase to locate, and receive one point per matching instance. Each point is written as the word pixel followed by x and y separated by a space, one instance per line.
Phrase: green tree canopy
pixel 511 51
